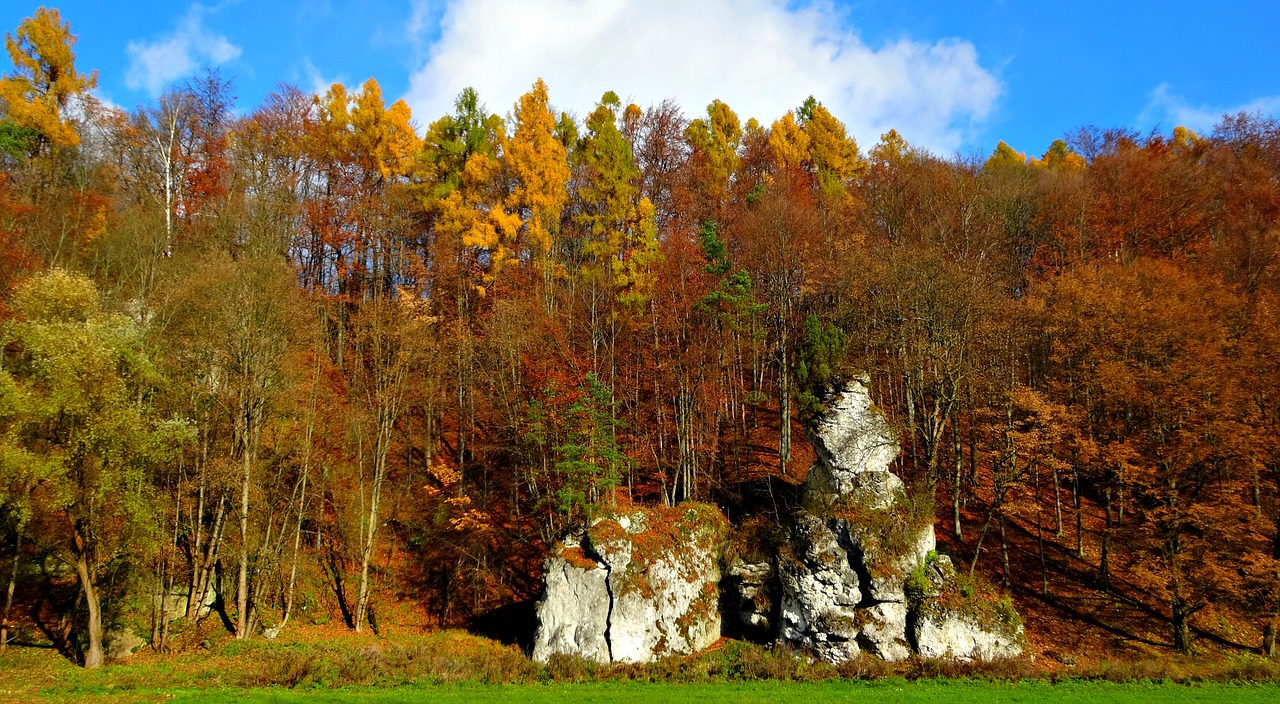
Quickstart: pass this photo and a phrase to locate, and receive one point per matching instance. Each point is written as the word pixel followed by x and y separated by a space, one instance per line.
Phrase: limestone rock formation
pixel 954 636
pixel 950 623
pixel 573 618
pixel 843 588
pixel 852 553
pixel 850 439
pixel 820 592
pixel 856 571
pixel 638 585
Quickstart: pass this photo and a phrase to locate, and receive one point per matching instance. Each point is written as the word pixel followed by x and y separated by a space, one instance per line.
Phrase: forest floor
pixel 1069 619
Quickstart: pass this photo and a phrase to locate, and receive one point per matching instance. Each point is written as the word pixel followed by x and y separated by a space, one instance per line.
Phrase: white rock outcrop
pixel 851 438
pixel 844 576
pixel 857 571
pixel 954 636
pixel 882 630
pixel 951 625
pixel 574 616
pixel 820 592
pixel 637 586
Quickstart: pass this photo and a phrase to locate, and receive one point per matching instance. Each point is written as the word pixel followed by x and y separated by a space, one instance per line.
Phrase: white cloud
pixel 155 64
pixel 762 57
pixel 1167 110
pixel 315 82
pixel 421 10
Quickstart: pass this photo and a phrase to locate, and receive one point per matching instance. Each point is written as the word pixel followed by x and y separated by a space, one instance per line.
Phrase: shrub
pixel 286 669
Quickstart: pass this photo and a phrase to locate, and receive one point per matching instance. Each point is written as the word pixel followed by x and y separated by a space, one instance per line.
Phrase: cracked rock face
pixel 840 595
pixel 883 630
pixel 575 620
pixel 638 586
pixel 820 592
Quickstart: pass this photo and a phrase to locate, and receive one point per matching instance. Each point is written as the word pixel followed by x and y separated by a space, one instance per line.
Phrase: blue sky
pixel 951 76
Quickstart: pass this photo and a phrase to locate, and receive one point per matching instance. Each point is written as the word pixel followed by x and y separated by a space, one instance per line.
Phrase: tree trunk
pixel 302 495
pixel 1004 555
pixel 1269 640
pixel 1057 500
pixel 202 580
pixel 1275 544
pixel 242 577
pixel 8 599
pixel 198 550
pixel 93 656
pixel 297 541
pixel 366 553
pixel 956 476
pixel 784 403
pixel 1044 570
pixel 1075 499
pixel 1181 626
pixel 982 535
pixel 1104 558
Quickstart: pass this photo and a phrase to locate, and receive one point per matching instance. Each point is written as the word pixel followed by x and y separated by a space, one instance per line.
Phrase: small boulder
pixel 119 644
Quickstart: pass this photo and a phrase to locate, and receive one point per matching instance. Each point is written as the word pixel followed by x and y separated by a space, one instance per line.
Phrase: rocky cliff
pixel 855 570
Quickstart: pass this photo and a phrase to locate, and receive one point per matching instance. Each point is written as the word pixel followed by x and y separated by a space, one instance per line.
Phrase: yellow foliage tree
pixel 473 215
pixel 39 91
pixel 621 236
pixel 1005 156
pixel 379 139
pixel 717 137
pixel 833 154
pixel 461 170
pixel 382 135
pixel 788 142
pixel 538 163
pixel 891 149
pixel 1059 157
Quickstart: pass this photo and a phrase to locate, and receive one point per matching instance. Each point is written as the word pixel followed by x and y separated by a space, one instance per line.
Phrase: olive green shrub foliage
pixel 817 364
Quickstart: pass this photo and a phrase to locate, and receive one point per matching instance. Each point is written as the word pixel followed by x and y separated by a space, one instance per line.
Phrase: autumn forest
pixel 320 359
